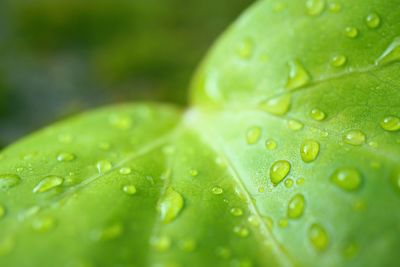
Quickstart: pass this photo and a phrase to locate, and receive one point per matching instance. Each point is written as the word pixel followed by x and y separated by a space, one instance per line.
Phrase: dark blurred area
pixel 60 57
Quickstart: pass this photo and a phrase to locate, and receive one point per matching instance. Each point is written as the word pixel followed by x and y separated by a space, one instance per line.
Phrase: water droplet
pixel 338 61
pixel 8 180
pixel 104 145
pixel 236 212
pixel 278 105
pixel 351 32
pixel 391 123
pixel 122 122
pixel 65 156
pixel 318 237
pixel 261 189
pixel 48 183
pixel 300 181
pixel 223 252
pixel 188 245
pixel 125 170
pixel 241 231
pixel 283 223
pixel 309 150
pixel 296 206
pixel 373 20
pixel 253 135
pixel 359 205
pixel 2 211
pixel 44 224
pixel 194 172
pixel 217 190
pixel 335 7
pixel 373 144
pixel 65 138
pixel 298 76
pixel 315 7
pixel 253 220
pixel 288 183
pixel 129 189
pixel 395 180
pixel 245 49
pixel 278 171
pixel 109 233
pixel 347 178
pixel 160 243
pixel 270 144
pixel 170 205
pixel 391 54
pixel 317 114
pixel 294 125
pixel 354 137
pixel 104 166
pixel 350 250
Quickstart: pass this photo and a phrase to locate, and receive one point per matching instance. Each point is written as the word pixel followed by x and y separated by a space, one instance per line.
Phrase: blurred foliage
pixel 60 57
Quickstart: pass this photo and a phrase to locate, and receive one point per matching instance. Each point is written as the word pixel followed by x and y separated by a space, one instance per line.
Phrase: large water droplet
pixel 338 61
pixel 391 54
pixel 236 212
pixel 309 150
pixel 298 76
pixel 160 243
pixel 391 123
pixel 351 32
pixel 44 224
pixel 315 7
pixel 348 179
pixel 48 183
pixel 9 180
pixel 278 171
pixel 296 206
pixel 170 205
pixel 253 135
pixel 129 189
pixel 373 20
pixel 354 137
pixel 318 237
pixel 65 156
pixel 104 166
pixel 278 105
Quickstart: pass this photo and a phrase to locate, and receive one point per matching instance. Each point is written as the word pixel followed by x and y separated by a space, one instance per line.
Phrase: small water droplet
pixel 391 123
pixel 8 180
pixel 351 32
pixel 236 212
pixel 318 237
pixel 354 137
pixel 278 105
pixel 309 150
pixel 350 251
pixel 217 190
pixel 110 232
pixel 253 220
pixel 391 53
pixel 104 166
pixel 295 125
pixel 253 135
pixel 359 205
pixel 395 180
pixel 241 231
pixel 223 252
pixel 65 156
pixel 288 183
pixel 338 61
pixel 129 189
pixel 278 171
pixel 270 144
pixel 315 7
pixel 2 211
pixel 125 170
pixel 170 205
pixel 283 223
pixel 335 7
pixel 48 183
pixel 104 145
pixel 43 225
pixel 373 144
pixel 65 138
pixel 298 76
pixel 245 49
pixel 296 206
pixel 317 114
pixel 194 172
pixel 122 122
pixel 160 243
pixel 347 179
pixel 373 20
pixel 187 245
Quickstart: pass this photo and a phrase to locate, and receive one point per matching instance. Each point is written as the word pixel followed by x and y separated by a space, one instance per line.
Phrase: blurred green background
pixel 60 57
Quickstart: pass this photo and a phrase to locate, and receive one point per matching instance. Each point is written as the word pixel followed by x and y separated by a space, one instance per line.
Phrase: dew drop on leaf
pixel 217 190
pixel 294 125
pixel 110 232
pixel 296 206
pixel 283 223
pixel 391 123
pixel 245 49
pixel 354 137
pixel 65 156
pixel 278 105
pixel 270 144
pixel 351 32
pixel 236 212
pixel 43 225
pixel 338 61
pixel 194 172
pixel 288 183
pixel 170 205
pixel 318 237
pixel 373 20
pixel 315 7
pixel 120 122
pixel 253 135
pixel 223 252
pixel 160 243
pixel 335 7
pixel 125 170
pixel 253 220
pixel 48 183
pixel 241 231
pixel 317 114
pixel 278 171
pixel 9 180
pixel 298 76
pixel 350 251
pixel 187 245
pixel 347 179
pixel 103 166
pixel 309 150
pixel 129 189
pixel 391 53
pixel 300 181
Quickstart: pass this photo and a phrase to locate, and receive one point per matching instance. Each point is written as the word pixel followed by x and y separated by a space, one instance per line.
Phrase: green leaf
pixel 289 156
